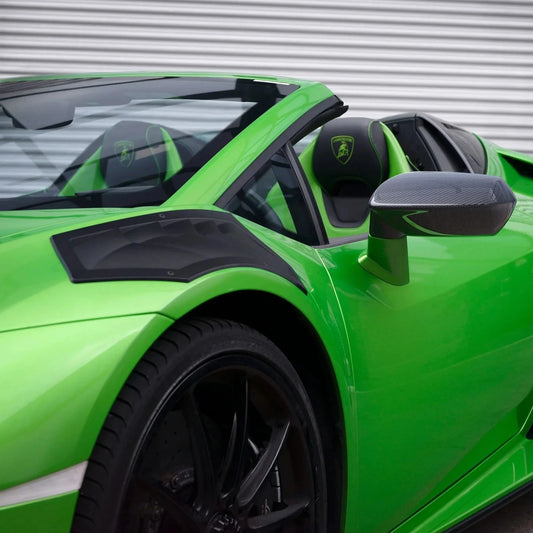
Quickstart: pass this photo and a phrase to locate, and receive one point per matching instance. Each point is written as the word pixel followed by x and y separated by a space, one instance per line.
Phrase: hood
pixel 35 288
pixel 17 224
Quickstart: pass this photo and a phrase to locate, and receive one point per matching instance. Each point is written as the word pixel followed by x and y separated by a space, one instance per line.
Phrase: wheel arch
pixel 286 326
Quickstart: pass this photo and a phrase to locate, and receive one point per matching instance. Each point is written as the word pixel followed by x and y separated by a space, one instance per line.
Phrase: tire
pixel 213 432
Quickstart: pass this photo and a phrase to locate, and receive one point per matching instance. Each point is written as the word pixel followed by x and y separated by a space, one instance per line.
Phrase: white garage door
pixel 465 61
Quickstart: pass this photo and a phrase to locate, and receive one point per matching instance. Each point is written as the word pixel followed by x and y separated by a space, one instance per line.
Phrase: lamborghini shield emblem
pixel 124 150
pixel 342 147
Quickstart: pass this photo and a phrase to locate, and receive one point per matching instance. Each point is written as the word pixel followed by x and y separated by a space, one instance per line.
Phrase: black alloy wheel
pixel 212 433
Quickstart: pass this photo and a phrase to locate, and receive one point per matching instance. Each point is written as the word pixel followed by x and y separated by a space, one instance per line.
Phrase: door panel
pixel 442 365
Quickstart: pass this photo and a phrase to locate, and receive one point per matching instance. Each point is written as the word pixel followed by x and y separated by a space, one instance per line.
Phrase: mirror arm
pixel 386 256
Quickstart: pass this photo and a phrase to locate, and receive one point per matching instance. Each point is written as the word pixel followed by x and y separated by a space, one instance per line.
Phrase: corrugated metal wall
pixel 468 62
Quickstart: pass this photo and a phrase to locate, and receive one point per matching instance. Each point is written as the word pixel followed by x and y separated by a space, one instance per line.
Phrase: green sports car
pixel 213 320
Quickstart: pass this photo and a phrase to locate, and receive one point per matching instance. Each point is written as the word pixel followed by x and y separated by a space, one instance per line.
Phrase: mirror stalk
pixel 387 259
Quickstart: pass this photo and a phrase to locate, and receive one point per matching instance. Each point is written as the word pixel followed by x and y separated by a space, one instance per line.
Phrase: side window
pixel 303 143
pixel 273 198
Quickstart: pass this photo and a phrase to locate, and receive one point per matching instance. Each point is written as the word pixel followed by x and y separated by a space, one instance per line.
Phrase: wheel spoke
pixel 180 512
pixel 274 520
pixel 225 441
pixel 255 478
pixel 204 473
pixel 234 461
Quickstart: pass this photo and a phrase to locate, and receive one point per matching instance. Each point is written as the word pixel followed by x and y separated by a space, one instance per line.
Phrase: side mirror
pixel 430 203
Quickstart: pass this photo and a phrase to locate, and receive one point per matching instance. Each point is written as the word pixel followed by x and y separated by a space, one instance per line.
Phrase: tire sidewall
pixel 185 354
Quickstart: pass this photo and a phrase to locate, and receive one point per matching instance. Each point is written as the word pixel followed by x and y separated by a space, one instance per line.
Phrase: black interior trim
pixel 340 210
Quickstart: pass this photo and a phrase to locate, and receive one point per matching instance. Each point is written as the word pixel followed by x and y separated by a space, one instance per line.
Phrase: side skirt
pixel 492 508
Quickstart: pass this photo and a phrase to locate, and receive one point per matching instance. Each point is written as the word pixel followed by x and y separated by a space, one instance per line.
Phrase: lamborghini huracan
pixel 226 307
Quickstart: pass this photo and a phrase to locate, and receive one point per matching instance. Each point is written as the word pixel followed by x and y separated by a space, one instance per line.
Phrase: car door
pixel 442 365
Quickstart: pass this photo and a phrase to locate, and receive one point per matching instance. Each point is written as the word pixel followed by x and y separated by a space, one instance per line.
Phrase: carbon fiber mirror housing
pixel 431 204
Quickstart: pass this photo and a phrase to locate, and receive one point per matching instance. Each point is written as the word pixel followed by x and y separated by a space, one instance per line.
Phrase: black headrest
pixel 133 152
pixel 351 156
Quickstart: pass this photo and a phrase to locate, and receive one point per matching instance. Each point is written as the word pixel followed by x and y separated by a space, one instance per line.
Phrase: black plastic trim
pixel 170 246
pixel 307 194
pixel 493 507
pixel 321 119
pixel 339 241
pixel 332 203
pixel 523 168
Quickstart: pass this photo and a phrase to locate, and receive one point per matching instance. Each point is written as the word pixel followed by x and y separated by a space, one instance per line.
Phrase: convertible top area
pixel 432 144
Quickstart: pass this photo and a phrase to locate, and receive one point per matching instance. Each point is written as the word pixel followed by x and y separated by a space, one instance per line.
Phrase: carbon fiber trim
pixel 171 246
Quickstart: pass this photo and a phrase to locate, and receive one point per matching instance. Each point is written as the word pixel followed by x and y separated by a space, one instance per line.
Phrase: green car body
pixel 428 382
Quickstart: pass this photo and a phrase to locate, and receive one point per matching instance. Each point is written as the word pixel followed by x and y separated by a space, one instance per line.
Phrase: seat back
pixel 135 153
pixel 129 153
pixel 350 160
pixel 351 154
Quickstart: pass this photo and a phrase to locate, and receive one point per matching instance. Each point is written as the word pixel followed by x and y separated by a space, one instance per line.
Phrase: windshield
pixel 117 142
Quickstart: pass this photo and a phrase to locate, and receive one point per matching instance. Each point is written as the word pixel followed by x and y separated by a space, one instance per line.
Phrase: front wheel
pixel 213 432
